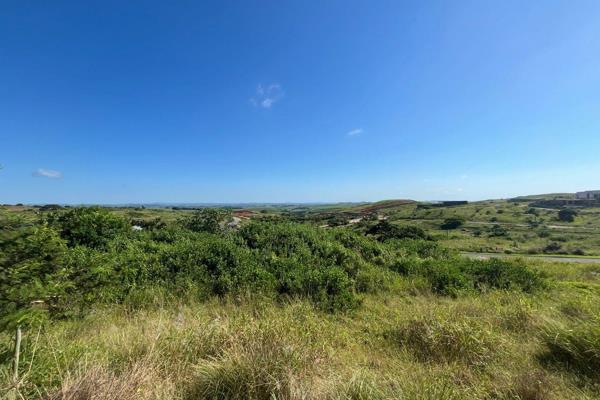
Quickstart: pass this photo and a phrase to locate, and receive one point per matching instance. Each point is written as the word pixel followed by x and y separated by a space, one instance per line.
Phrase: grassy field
pixel 280 307
pixel 522 232
pixel 408 344
pixel 494 226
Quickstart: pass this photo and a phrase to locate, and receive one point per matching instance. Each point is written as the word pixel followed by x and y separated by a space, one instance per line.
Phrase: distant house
pixel 588 195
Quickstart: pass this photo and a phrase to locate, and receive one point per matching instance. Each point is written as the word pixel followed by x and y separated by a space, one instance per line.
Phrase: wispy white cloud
pixel 47 173
pixel 267 95
pixel 355 132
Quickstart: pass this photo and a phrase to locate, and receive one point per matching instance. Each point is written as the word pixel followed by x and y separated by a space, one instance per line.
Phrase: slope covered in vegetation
pixel 200 308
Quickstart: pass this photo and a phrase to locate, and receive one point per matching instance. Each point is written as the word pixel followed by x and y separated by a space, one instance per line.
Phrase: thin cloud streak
pixel 355 132
pixel 47 173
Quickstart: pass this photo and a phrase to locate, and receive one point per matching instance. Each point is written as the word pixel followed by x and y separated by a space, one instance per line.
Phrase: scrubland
pixel 191 309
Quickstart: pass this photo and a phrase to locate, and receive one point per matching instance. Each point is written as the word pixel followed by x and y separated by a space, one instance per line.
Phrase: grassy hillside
pixel 195 308
pixel 502 226
pixel 497 226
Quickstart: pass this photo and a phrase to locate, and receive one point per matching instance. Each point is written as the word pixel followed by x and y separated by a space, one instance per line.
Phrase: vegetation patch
pixel 200 305
pixel 137 382
pixel 576 346
pixel 261 364
pixel 450 277
pixel 442 339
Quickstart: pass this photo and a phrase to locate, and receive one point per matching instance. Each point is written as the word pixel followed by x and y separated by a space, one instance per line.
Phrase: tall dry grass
pixel 395 346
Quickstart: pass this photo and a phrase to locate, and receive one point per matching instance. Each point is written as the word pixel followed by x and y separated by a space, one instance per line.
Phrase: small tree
pixel 33 271
pixel 385 231
pixel 498 230
pixel 553 247
pixel 452 223
pixel 88 226
pixel 211 220
pixel 338 220
pixel 532 211
pixel 567 215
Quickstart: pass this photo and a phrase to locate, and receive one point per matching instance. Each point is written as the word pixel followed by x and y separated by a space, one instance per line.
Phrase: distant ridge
pixel 548 196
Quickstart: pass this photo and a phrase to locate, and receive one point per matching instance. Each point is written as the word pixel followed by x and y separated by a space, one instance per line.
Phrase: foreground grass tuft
pixel 444 339
pixel 137 382
pixel 576 347
pixel 266 361
pixel 532 385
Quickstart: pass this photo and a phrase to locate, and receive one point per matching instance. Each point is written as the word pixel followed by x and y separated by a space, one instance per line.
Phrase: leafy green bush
pixel 88 226
pixel 211 220
pixel 33 280
pixel 450 277
pixel 544 232
pixel 338 220
pixel 452 223
pixel 421 249
pixel 384 230
pixel 329 266
pixel 102 264
pixel 83 256
pixel 567 215
pixel 498 230
pixel 214 262
pixel 553 247
pixel 502 274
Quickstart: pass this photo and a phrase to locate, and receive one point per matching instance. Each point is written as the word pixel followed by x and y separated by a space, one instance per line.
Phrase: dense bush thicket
pixel 384 230
pixel 452 223
pixel 72 259
pixel 567 215
pixel 91 227
pixel 461 274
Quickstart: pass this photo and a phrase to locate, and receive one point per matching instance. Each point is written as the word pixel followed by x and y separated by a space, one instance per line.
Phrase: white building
pixel 588 195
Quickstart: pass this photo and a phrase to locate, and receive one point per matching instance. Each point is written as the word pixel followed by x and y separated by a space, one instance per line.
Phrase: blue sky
pixel 276 101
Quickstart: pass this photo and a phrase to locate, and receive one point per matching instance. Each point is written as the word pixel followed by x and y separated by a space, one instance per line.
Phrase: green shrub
pixel 87 255
pixel 567 215
pixel 544 233
pixel 33 280
pixel 330 267
pixel 452 223
pixel 498 231
pixel 338 220
pixel 211 220
pixel 88 226
pixel 384 230
pixel 421 248
pixel 451 276
pixel 502 274
pixel 553 247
